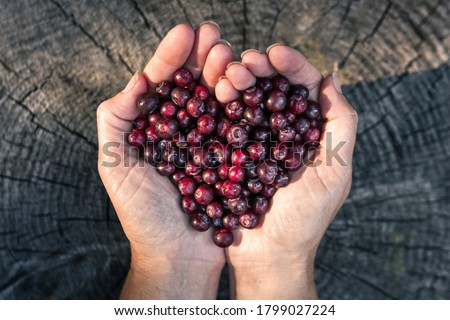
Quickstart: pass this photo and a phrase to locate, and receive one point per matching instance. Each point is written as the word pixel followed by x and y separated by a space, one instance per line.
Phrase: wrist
pixel 285 278
pixel 163 278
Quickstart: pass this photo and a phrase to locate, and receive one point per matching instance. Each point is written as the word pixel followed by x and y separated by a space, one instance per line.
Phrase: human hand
pixel 276 260
pixel 168 258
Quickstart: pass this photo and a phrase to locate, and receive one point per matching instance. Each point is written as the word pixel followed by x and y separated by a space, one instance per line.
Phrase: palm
pixel 148 204
pixel 300 212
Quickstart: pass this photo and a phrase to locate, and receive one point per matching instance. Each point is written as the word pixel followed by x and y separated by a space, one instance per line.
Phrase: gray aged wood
pixel 59 235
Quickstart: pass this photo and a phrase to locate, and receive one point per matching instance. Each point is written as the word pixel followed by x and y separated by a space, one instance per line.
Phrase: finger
pixel 206 35
pixel 114 116
pixel 225 91
pixel 342 120
pixel 257 63
pixel 294 66
pixel 216 62
pixel 172 54
pixel 240 76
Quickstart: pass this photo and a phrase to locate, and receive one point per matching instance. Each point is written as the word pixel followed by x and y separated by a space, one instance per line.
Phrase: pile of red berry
pixel 227 161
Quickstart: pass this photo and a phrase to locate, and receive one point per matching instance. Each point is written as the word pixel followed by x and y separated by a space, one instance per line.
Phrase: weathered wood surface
pixel 59 235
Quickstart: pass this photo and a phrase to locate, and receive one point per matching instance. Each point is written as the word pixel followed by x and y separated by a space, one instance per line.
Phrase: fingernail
pixel 221 78
pixel 223 41
pixel 336 82
pixel 211 22
pixel 249 50
pixel 273 45
pixel 131 83
pixel 233 63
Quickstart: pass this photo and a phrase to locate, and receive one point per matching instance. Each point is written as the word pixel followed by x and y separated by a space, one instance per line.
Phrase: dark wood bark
pixel 59 235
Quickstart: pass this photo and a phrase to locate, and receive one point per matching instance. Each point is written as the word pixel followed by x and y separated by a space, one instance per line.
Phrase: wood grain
pixel 59 235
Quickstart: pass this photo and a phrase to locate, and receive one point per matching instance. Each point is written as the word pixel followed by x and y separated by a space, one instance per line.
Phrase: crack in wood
pixel 185 13
pixel 108 53
pixel 146 22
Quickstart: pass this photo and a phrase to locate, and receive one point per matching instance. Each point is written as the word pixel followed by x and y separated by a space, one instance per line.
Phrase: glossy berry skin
pixel 223 238
pixel 183 78
pixel 265 84
pixel 300 90
pixel 281 180
pixel 231 189
pixel 297 104
pixel 206 124
pixel 152 154
pixel 290 117
pixel 250 172
pixel 260 205
pixel 253 96
pixel 293 161
pixel 141 122
pixel 210 176
pixel 180 96
pixel 213 108
pixel 165 168
pixel 313 134
pixel 231 221
pixel 236 174
pixel 261 134
pixel 267 171
pixel 239 158
pixel 279 152
pixel 223 125
pixel 222 171
pixel 301 125
pixel 268 191
pixel 163 89
pixel 177 176
pixel 152 135
pixel 187 186
pixel 237 135
pixel 166 127
pixel 214 210
pixel 168 109
pixel 312 110
pixel 256 151
pixel 278 121
pixel 218 188
pixel 147 103
pixel 191 169
pixel 254 116
pixel 238 205
pixel 276 101
pixel 201 92
pixel 235 109
pixel 153 118
pixel 189 205
pixel 255 186
pixel 195 138
pixel 184 118
pixel 217 223
pixel 200 221
pixel 201 158
pixel 196 107
pixel 249 220
pixel 281 83
pixel 286 134
pixel 137 138
pixel 204 194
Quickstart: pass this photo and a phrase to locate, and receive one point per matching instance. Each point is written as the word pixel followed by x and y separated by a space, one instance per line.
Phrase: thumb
pixel 338 139
pixel 114 115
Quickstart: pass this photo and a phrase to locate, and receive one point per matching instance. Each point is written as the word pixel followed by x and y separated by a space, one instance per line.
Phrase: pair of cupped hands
pixel 170 260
